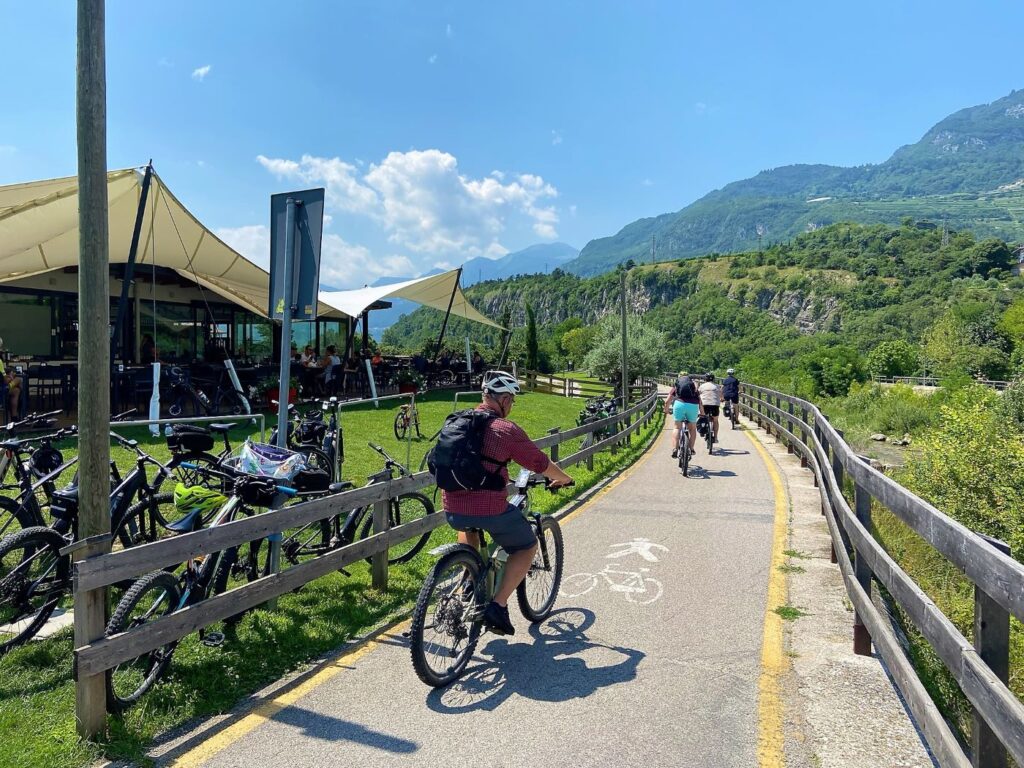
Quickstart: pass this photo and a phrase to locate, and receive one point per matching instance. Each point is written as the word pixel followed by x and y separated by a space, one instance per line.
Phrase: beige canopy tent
pixel 438 291
pixel 39 233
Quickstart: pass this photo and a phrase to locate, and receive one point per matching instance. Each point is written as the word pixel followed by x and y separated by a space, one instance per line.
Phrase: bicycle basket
pixel 45 460
pixel 311 481
pixel 311 433
pixel 268 461
pixel 186 438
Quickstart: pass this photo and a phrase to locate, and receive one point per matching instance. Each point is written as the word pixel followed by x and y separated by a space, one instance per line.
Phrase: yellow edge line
pixel 770 739
pixel 267 709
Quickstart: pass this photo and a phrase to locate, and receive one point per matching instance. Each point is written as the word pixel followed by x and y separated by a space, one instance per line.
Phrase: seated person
pixel 308 355
pixel 478 363
pixel 330 359
pixel 147 352
pixel 377 359
pixel 12 382
pixel 419 362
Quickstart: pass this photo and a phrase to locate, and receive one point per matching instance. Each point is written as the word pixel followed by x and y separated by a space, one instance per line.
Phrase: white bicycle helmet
pixel 500 383
pixel 731 371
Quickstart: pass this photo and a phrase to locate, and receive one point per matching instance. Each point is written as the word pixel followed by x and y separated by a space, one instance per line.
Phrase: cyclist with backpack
pixel 731 393
pixel 470 463
pixel 684 403
pixel 710 402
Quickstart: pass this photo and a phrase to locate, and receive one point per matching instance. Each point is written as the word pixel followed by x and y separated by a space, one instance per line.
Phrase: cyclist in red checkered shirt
pixel 490 511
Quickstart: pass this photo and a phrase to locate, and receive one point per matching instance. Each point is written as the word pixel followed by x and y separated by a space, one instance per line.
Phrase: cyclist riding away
pixel 684 402
pixel 711 401
pixel 489 510
pixel 731 390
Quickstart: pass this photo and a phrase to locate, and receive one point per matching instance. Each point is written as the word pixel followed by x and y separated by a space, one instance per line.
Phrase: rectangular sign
pixel 309 226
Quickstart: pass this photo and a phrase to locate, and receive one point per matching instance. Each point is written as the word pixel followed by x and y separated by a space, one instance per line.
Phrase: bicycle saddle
pixel 221 428
pixel 344 485
pixel 193 521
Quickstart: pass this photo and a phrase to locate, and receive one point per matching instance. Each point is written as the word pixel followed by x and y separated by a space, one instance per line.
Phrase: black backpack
pixel 456 460
pixel 685 388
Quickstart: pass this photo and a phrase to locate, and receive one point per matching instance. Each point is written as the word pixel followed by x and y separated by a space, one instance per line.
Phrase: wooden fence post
pixel 861 638
pixel 379 561
pixel 554 448
pixel 789 446
pixel 992 642
pixel 804 436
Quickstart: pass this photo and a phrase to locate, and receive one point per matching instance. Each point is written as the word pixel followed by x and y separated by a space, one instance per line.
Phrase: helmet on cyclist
pixel 682 373
pixel 709 376
pixel 500 383
pixel 731 371
pixel 188 498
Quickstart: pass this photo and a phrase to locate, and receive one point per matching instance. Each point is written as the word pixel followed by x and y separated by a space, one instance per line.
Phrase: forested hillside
pixel 964 171
pixel 820 311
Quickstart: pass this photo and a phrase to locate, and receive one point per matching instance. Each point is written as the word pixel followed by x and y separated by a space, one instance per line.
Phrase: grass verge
pixel 37 693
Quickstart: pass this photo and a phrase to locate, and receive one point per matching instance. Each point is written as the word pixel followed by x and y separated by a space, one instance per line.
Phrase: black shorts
pixel 510 529
pixel 711 411
pixel 733 400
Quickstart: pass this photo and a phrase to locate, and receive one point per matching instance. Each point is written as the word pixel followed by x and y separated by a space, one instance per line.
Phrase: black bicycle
pixel 322 536
pixel 683 449
pixel 183 392
pixel 314 439
pixel 161 593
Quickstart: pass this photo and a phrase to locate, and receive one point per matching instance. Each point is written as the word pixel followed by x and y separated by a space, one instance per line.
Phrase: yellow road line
pixel 267 709
pixel 770 740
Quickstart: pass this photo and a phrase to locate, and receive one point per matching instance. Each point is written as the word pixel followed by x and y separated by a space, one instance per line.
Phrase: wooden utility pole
pixel 625 364
pixel 93 344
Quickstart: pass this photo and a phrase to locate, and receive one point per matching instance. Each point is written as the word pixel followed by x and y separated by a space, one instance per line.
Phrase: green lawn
pixel 36 691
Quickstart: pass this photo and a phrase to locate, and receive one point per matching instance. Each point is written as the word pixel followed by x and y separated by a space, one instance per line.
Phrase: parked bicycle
pixel 448 617
pixel 319 442
pixel 683 449
pixel 36 466
pixel 161 593
pixel 408 417
pixel 597 408
pixel 322 536
pixel 183 392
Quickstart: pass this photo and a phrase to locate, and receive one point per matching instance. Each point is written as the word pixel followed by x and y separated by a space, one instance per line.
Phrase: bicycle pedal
pixel 213 639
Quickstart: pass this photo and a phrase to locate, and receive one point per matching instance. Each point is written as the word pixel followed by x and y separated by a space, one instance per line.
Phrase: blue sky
pixel 452 129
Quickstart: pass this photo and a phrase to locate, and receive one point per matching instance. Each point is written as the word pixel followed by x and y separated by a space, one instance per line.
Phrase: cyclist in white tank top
pixel 710 400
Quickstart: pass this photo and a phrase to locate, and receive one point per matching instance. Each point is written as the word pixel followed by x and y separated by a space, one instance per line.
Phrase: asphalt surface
pixel 646 661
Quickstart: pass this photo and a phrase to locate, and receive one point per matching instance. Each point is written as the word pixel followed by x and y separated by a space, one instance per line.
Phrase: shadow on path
pixel 554 667
pixel 317 725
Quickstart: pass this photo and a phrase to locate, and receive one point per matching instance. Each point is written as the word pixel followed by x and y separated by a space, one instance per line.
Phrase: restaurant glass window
pixel 27 324
pixel 172 331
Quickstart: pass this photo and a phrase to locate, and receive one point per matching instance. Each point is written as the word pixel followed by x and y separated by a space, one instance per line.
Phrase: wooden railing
pixel 932 381
pixel 93 573
pixel 550 384
pixel 981 669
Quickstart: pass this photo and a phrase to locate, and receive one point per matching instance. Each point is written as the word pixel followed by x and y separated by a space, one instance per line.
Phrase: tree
pixel 532 356
pixel 893 358
pixel 577 343
pixel 644 345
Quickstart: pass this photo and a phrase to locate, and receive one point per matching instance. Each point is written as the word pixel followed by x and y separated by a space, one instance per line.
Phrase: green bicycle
pixel 448 617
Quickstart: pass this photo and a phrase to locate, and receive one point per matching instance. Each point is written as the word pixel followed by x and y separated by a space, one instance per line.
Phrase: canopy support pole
pixel 447 314
pixel 366 332
pixel 117 342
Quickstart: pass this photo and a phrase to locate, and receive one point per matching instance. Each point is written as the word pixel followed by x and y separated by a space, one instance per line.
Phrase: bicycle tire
pixel 19 567
pixel 468 569
pixel 162 585
pixel 401 425
pixel 317 459
pixel 710 439
pixel 403 509
pixel 16 517
pixel 556 552
pixel 230 402
pixel 187 476
pixel 684 455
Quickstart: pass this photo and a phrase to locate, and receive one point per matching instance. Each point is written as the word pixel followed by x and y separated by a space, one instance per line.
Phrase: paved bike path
pixel 655 667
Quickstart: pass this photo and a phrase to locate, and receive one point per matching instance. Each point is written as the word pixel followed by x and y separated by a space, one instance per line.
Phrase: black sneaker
pixel 496 619
pixel 675 454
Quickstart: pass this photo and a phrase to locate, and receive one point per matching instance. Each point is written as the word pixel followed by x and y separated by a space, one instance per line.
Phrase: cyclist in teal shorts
pixel 684 400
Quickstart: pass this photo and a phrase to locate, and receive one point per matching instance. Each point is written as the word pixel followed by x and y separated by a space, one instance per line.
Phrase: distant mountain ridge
pixel 965 171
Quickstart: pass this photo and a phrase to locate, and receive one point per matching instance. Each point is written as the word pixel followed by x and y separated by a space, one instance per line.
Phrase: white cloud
pixel 201 72
pixel 647 183
pixel 700 108
pixel 572 210
pixel 556 138
pixel 7 149
pixel 201 163
pixel 449 32
pixel 432 59
pixel 342 264
pixel 164 62
pixel 424 204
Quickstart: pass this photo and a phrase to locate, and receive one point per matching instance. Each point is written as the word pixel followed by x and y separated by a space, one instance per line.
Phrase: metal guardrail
pixel 94 572
pixel 241 418
pixel 932 381
pixel 980 669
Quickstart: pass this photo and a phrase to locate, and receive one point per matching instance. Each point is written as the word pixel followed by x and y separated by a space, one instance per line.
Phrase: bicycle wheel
pixel 710 439
pixel 187 475
pixel 537 592
pixel 401 425
pixel 447 618
pixel 684 454
pixel 317 459
pixel 34 577
pixel 404 509
pixel 588 440
pixel 154 595
pixel 15 517
pixel 230 402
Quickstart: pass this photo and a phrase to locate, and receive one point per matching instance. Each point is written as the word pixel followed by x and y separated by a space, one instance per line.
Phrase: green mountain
pixel 967 171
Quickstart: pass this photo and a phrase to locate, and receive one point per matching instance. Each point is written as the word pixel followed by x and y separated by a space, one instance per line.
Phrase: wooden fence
pixel 980 669
pixel 93 573
pixel 549 384
pixel 932 381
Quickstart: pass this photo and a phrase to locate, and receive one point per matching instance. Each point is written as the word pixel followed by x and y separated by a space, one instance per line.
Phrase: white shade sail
pixel 434 291
pixel 39 233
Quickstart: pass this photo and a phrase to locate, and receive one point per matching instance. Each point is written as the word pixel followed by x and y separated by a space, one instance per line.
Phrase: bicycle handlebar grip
pixel 188 465
pixel 286 490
